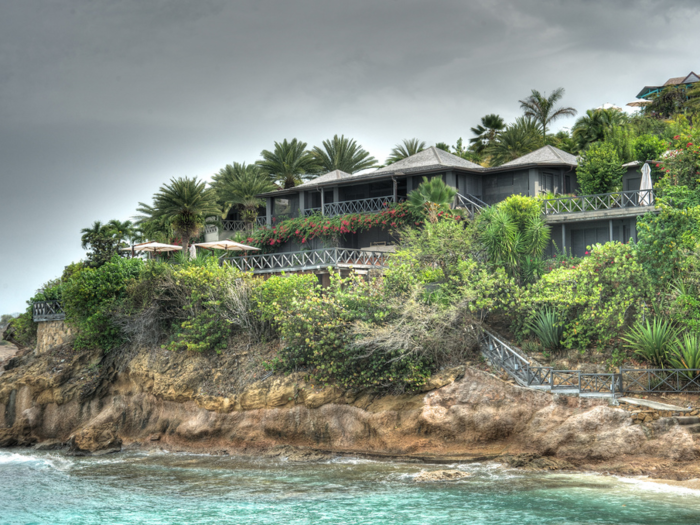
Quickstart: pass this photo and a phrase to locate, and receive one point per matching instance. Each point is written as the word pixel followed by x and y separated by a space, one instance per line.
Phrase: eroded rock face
pixel 163 400
pixel 440 475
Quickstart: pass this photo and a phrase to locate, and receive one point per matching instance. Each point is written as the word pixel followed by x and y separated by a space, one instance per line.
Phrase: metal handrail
pixel 662 380
pixel 308 260
pixel 47 311
pixel 235 226
pixel 470 203
pixel 372 205
pixel 600 201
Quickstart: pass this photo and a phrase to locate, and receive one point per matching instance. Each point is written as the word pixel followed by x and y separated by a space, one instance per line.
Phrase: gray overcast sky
pixel 102 101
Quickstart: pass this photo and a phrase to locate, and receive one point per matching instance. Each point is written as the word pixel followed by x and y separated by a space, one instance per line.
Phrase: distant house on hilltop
pixel 649 92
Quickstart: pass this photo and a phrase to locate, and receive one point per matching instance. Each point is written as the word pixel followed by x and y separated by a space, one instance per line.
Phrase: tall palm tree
pixel 406 148
pixel 88 234
pixel 123 231
pixel 238 186
pixel 486 132
pixel 184 203
pixel 289 163
pixel 593 126
pixel 342 154
pixel 542 108
pixel 515 141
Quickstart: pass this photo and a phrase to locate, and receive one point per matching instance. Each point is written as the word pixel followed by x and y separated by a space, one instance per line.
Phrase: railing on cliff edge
pixel 627 381
pixel 309 260
pixel 47 311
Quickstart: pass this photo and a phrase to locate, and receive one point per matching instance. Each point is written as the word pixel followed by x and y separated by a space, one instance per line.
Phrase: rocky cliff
pixel 90 403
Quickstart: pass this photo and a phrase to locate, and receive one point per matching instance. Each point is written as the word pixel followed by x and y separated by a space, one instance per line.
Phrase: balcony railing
pixel 235 226
pixel 308 260
pixel 47 311
pixel 373 205
pixel 470 203
pixel 602 201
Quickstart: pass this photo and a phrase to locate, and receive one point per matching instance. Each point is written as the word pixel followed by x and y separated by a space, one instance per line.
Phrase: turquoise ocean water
pixel 164 488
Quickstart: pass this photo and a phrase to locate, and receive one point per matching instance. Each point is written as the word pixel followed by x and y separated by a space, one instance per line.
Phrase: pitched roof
pixel 544 155
pixel 431 157
pixel 674 81
pixel 326 177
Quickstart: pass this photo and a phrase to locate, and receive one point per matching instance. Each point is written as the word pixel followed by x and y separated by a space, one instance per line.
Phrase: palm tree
pixel 515 141
pixel 432 196
pixel 486 132
pixel 289 163
pixel 541 108
pixel 122 231
pixel 406 148
pixel 342 154
pixel 593 126
pixel 184 204
pixel 238 186
pixel 88 234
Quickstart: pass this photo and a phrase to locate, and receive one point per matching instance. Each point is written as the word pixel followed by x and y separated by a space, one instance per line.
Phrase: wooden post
pixel 563 237
pixel 396 189
pixel 611 230
pixel 323 211
pixel 268 211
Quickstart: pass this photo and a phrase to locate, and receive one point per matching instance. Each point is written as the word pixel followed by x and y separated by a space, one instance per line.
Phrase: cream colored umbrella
pixel 638 103
pixel 647 198
pixel 226 244
pixel 156 247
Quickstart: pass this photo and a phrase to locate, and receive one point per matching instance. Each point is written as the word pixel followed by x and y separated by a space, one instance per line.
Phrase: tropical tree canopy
pixel 593 126
pixel 486 132
pixel 406 148
pixel 184 204
pixel 343 154
pixel 516 140
pixel 104 240
pixel 238 185
pixel 289 163
pixel 542 108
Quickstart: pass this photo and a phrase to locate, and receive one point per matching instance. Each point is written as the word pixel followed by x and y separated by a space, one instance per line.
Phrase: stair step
pixel 693 429
pixel 687 420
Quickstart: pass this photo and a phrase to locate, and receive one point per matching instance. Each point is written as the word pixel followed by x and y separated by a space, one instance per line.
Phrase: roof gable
pixel 326 177
pixel 431 157
pixel 544 155
pixel 691 78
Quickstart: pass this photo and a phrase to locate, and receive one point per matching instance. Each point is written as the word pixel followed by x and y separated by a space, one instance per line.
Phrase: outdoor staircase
pixel 530 374
pixel 472 204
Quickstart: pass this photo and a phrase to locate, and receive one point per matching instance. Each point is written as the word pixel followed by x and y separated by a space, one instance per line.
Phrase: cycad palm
pixel 431 196
pixel 239 185
pixel 406 148
pixel 289 163
pixel 592 126
pixel 342 154
pixel 515 141
pixel 486 132
pixel 542 108
pixel 184 203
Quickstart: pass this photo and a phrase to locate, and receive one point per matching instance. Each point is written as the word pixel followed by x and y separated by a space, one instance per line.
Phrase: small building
pixel 577 221
pixel 649 92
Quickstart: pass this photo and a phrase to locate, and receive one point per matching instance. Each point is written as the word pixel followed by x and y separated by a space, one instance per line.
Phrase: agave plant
pixel 652 342
pixel 685 353
pixel 548 327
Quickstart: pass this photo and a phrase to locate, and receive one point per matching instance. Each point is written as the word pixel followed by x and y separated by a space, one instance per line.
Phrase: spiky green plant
pixel 548 327
pixel 685 353
pixel 343 154
pixel 289 163
pixel 652 342
pixel 238 186
pixel 406 148
pixel 432 196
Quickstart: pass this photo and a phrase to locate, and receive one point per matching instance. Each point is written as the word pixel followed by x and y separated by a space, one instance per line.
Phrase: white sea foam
pixel 650 485
pixel 44 460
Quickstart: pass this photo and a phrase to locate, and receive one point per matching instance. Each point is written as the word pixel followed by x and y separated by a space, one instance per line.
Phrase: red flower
pixel 690 144
pixel 676 137
pixel 586 253
pixel 303 240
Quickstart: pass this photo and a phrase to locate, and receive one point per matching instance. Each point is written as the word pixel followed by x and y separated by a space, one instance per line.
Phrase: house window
pixel 546 182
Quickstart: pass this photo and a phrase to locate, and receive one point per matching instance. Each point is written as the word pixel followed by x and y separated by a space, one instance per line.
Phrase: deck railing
pixel 662 380
pixel 235 226
pixel 601 201
pixel 47 311
pixel 470 203
pixel 373 205
pixel 309 260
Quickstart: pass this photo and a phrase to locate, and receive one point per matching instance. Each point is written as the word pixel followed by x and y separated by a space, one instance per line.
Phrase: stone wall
pixel 51 334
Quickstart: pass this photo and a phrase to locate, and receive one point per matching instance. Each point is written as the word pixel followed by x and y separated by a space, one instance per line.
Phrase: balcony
pixel 602 205
pixel 47 311
pixel 310 260
pixel 333 209
pixel 237 226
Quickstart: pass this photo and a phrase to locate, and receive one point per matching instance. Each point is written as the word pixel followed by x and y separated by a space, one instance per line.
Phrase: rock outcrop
pixel 193 402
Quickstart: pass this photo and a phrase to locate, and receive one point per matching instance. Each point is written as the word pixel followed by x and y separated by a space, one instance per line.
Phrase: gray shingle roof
pixel 326 177
pixel 544 155
pixel 431 157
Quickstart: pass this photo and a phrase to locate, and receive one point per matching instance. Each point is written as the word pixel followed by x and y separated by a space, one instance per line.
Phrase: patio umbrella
pixel 193 252
pixel 225 245
pixel 639 103
pixel 156 247
pixel 647 198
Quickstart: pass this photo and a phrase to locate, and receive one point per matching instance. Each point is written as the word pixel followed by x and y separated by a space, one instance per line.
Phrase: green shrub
pixel 548 328
pixel 275 296
pixel 652 342
pixel 600 169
